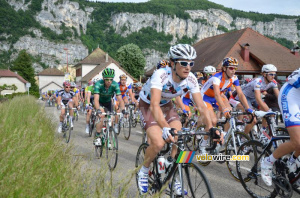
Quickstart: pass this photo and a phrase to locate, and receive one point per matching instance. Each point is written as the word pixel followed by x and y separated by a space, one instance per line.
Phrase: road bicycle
pixel 191 178
pixel 250 171
pixel 233 140
pixel 125 122
pixel 109 140
pixel 66 125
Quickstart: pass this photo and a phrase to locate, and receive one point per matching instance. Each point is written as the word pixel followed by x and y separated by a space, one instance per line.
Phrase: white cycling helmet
pixel 209 69
pixel 73 84
pixel 269 68
pixel 182 51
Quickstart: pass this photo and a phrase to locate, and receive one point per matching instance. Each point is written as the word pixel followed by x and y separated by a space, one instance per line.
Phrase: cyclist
pixel 162 64
pixel 213 94
pixel 66 98
pixel 289 104
pixel 156 107
pixel 258 87
pixel 103 92
pixel 89 105
pixel 208 71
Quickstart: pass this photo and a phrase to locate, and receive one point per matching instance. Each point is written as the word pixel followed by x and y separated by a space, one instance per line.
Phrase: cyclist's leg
pixel 99 125
pixel 248 127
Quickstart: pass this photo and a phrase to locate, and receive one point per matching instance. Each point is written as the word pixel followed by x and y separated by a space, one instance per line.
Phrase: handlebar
pixel 187 131
pixel 237 113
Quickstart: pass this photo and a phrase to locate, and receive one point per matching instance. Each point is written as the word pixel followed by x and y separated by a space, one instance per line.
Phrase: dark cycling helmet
pixel 67 83
pixel 108 73
pixel 161 64
pixel 230 61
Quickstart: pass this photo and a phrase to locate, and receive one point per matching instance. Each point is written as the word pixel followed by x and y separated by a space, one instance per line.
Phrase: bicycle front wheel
pixel 249 172
pixel 193 182
pixel 240 138
pixel 139 161
pixel 112 148
pixel 68 131
pixel 91 127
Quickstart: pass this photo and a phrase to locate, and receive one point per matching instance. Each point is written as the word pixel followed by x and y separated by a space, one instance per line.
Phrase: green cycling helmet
pixel 108 73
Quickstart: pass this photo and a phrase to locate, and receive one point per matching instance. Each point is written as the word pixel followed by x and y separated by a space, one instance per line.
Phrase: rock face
pixel 54 13
pixel 202 24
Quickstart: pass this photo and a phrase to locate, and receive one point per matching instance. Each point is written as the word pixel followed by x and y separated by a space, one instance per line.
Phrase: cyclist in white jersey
pixel 289 104
pixel 157 110
pixel 254 90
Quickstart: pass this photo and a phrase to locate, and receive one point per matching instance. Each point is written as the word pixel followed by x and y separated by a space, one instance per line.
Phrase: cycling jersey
pixel 218 79
pixel 294 79
pixel 124 89
pixel 258 84
pixel 65 96
pixel 162 80
pixel 75 90
pixel 105 94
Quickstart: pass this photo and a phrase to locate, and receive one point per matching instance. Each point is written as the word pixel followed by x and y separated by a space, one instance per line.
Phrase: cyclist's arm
pixel 155 108
pixel 179 102
pixel 260 102
pixel 131 95
pixel 96 101
pixel 202 109
pixel 121 102
pixel 218 96
pixel 242 97
pixel 88 98
pixel 59 100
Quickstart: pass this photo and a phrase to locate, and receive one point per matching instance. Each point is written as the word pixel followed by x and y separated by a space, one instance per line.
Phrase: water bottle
pixel 161 164
pixel 169 162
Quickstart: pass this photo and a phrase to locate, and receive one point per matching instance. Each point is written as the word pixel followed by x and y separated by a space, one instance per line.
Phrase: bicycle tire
pixel 112 148
pixel 119 126
pixel 77 116
pixel 194 182
pixel 125 132
pixel 68 132
pixel 133 122
pixel 191 142
pixel 91 127
pixel 98 151
pixel 144 136
pixel 250 176
pixel 139 160
pixel 240 138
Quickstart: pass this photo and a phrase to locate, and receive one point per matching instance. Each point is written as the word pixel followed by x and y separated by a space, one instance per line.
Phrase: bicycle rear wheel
pixel 92 126
pixel 140 157
pixel 127 128
pixel 193 184
pixel 240 138
pixel 112 148
pixel 249 172
pixel 98 151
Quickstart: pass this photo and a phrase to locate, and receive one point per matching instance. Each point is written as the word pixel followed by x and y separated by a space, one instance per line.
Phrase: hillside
pixel 46 27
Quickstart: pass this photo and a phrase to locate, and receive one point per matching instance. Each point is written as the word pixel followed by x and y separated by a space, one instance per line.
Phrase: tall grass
pixel 35 163
pixel 32 161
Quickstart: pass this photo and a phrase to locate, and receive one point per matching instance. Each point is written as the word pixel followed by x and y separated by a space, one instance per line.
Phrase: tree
pixel 23 66
pixel 14 87
pixel 131 59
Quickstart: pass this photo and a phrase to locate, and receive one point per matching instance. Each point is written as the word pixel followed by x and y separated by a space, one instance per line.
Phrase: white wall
pixel 118 72
pixel 51 86
pixel 10 81
pixel 44 80
pixel 86 69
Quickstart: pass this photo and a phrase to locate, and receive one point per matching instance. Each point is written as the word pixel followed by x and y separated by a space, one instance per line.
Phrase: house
pixel 252 49
pixel 9 78
pixel 50 79
pixel 92 66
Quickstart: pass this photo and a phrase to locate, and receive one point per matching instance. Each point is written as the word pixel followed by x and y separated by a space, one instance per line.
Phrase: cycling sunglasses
pixel 185 63
pixel 67 87
pixel 108 79
pixel 232 68
pixel 271 74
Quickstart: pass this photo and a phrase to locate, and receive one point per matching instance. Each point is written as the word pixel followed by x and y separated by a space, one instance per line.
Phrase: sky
pixel 286 7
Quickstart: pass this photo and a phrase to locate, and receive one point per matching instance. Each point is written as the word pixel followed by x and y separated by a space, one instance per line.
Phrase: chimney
pixel 245 52
pixel 106 57
pixel 295 51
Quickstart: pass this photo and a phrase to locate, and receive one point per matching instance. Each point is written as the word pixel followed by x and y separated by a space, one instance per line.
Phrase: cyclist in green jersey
pixel 104 90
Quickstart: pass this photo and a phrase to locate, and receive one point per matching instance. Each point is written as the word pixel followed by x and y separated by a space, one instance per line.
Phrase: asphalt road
pixel 222 183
